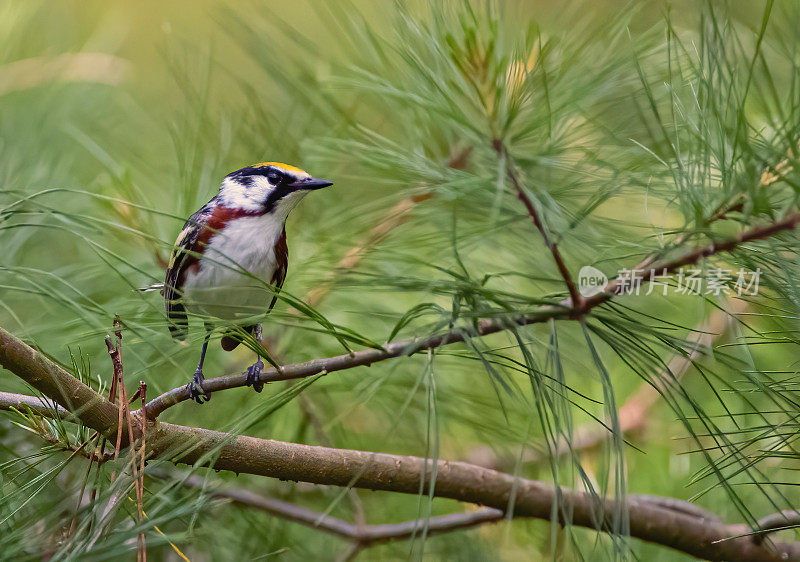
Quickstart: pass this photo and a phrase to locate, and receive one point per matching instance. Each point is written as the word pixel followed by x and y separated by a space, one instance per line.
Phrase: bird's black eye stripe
pixel 275 177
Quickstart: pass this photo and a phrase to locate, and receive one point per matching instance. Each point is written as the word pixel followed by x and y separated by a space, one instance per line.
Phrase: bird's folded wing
pixel 185 253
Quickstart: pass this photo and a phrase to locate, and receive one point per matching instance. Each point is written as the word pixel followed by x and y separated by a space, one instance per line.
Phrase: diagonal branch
pixel 620 284
pixel 575 298
pixel 769 176
pixel 57 384
pixel 720 213
pixel 485 327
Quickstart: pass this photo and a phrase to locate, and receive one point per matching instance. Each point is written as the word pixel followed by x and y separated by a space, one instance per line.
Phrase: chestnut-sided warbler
pixel 228 251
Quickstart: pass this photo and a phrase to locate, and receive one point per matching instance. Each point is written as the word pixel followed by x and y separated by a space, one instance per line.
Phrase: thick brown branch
pixel 485 327
pixel 54 382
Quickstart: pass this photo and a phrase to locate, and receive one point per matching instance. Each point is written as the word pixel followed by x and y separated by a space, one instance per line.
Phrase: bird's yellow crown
pixel 287 167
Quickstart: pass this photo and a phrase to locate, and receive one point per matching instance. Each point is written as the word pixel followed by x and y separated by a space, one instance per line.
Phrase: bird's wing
pixel 185 253
pixel 282 261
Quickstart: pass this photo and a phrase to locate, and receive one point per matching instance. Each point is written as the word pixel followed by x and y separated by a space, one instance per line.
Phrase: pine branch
pixel 92 456
pixel 650 521
pixel 562 310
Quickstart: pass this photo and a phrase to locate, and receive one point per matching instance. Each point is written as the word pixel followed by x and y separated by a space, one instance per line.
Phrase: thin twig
pixel 34 404
pixel 622 283
pixel 364 535
pixel 80 449
pixel 786 519
pixel 141 548
pixel 720 213
pixel 115 351
pixel 102 447
pixel 575 298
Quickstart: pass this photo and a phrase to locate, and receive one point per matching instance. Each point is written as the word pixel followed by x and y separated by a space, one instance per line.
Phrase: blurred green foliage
pixel 627 122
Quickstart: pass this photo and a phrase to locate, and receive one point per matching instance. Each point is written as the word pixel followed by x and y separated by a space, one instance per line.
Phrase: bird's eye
pixel 274 177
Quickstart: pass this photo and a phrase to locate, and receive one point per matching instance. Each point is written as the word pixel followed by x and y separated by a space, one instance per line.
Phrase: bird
pixel 226 253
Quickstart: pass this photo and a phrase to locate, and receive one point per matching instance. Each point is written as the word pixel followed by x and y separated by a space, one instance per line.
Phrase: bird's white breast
pixel 224 286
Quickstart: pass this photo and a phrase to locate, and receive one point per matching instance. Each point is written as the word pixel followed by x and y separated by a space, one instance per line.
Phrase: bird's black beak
pixel 309 184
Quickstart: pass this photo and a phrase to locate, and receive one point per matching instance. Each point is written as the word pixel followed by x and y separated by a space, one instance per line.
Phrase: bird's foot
pixel 195 387
pixel 253 376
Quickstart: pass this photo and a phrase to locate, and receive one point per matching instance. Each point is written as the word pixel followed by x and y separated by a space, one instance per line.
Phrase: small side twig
pixel 576 300
pixel 141 551
pixel 92 455
pixel 115 352
pixel 100 453
pixel 780 521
